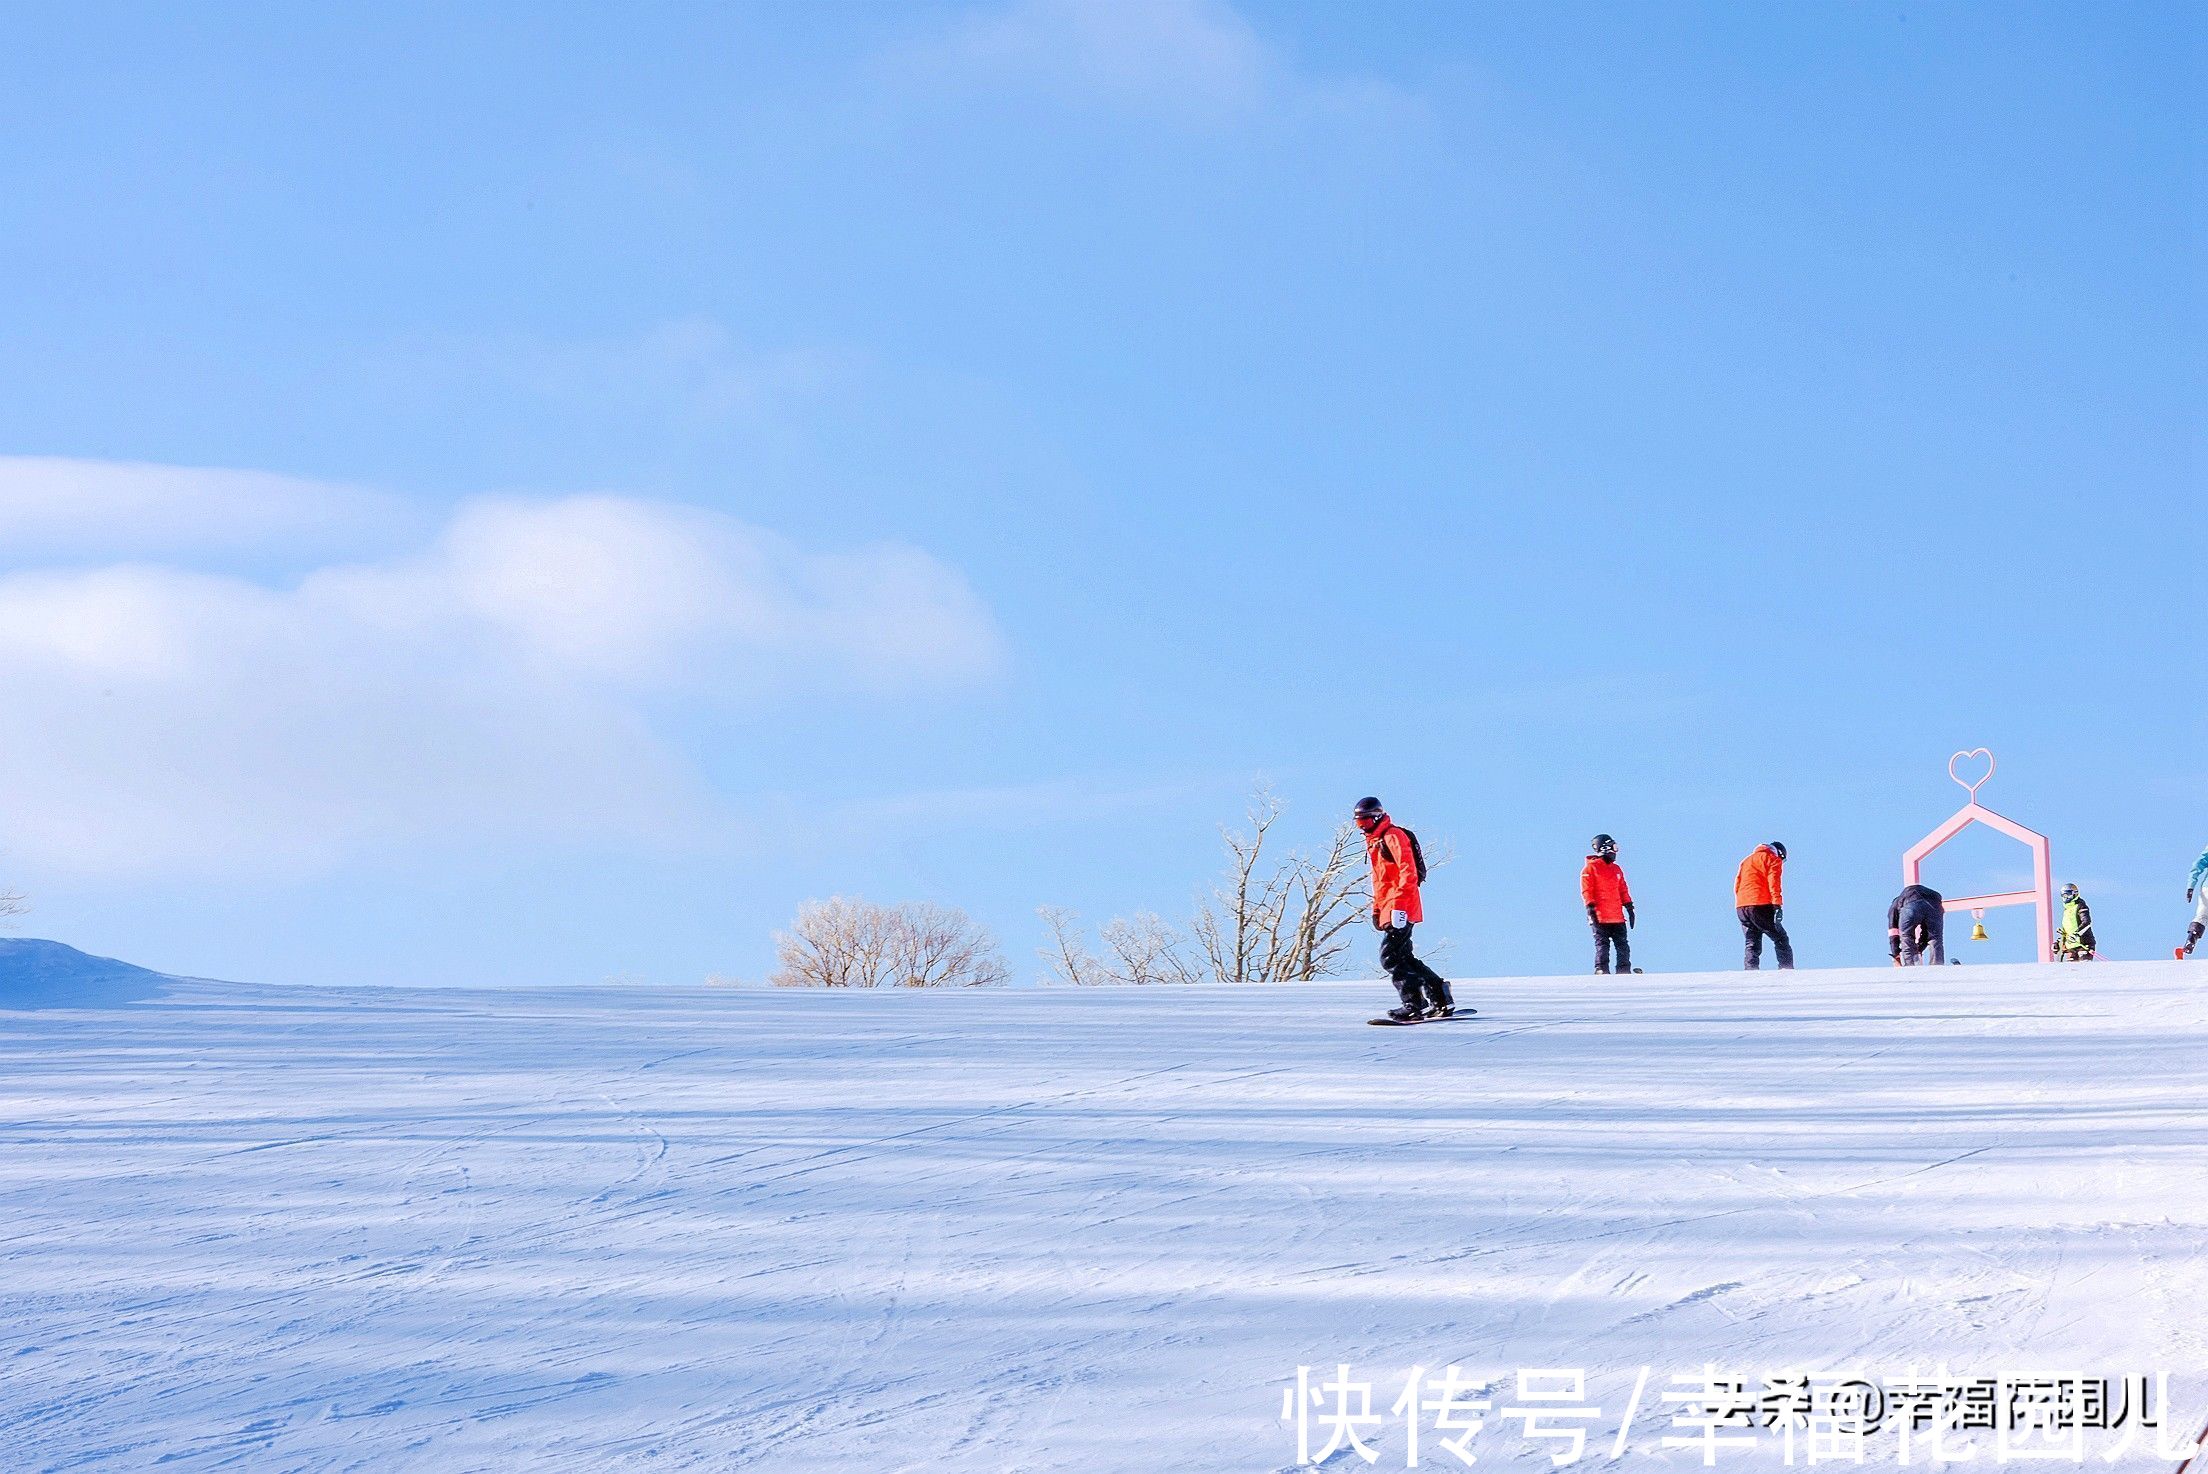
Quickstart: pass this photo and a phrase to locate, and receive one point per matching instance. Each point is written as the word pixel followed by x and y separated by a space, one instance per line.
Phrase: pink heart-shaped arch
pixel 1965 782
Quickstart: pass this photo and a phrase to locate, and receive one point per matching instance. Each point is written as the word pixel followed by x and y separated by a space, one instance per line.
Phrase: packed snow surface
pixel 1045 1230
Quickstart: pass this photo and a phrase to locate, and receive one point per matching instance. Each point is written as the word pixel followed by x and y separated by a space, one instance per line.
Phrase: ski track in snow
pixel 250 1228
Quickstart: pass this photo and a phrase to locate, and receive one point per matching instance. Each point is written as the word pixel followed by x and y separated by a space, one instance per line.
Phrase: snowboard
pixel 1384 1022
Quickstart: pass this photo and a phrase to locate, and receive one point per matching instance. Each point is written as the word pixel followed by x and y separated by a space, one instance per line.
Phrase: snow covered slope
pixel 1058 1230
pixel 41 974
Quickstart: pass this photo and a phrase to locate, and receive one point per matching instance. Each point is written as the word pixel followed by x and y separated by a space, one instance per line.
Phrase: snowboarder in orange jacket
pixel 1395 910
pixel 1759 899
pixel 1609 903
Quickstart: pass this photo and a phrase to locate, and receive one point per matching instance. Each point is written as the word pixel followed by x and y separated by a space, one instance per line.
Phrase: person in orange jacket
pixel 1395 860
pixel 1759 899
pixel 1609 904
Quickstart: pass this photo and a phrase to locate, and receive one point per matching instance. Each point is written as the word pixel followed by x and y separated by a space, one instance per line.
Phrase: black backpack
pixel 1418 856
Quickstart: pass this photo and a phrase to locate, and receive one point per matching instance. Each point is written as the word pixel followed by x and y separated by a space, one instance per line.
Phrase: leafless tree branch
pixel 845 943
pixel 1069 961
pixel 1285 921
pixel 1145 949
pixel 1266 920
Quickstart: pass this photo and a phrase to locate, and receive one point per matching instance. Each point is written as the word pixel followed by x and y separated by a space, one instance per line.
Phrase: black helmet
pixel 1605 846
pixel 2069 890
pixel 1778 849
pixel 1368 807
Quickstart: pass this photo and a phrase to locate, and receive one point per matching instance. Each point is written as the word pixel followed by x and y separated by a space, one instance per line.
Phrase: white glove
pixel 1400 919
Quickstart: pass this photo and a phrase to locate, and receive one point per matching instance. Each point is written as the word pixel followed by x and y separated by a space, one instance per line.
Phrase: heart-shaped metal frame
pixel 1965 783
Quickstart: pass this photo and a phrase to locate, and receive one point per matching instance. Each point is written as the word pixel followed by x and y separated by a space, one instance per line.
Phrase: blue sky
pixel 515 493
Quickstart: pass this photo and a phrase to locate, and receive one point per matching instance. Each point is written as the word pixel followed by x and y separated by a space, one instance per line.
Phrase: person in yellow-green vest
pixel 2074 942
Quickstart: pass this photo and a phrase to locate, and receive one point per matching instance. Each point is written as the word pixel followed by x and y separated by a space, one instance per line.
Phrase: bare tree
pixel 1068 960
pixel 942 947
pixel 846 943
pixel 1238 927
pixel 1273 917
pixel 12 904
pixel 1140 949
pixel 1145 949
pixel 1328 895
pixel 832 944
pixel 1284 920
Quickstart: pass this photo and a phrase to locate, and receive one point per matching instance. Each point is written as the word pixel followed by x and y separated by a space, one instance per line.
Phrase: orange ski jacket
pixel 1602 886
pixel 1394 872
pixel 1758 883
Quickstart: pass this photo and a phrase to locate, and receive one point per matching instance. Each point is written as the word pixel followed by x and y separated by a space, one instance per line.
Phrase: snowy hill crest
pixel 35 973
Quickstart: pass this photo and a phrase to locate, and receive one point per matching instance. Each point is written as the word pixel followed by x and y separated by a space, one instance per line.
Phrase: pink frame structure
pixel 2043 860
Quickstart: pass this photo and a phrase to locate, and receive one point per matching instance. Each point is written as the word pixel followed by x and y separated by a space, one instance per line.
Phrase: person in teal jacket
pixel 2196 890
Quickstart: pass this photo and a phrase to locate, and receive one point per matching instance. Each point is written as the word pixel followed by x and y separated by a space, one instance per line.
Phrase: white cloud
pixel 690 371
pixel 497 686
pixel 58 507
pixel 1020 805
pixel 639 594
pixel 1173 54
pixel 1195 60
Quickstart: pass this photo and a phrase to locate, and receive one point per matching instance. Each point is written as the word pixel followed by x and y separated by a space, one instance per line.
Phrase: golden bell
pixel 1978 932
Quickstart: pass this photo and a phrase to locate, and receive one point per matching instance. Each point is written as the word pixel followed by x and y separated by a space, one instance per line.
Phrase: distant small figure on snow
pixel 1916 928
pixel 1759 899
pixel 1609 904
pixel 2074 938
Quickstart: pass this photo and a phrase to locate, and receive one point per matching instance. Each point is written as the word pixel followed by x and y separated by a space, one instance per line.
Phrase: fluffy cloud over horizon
pixel 64 507
pixel 498 685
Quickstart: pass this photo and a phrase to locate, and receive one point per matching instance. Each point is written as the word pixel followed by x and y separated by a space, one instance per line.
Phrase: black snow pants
pixel 1610 934
pixel 1758 922
pixel 1923 933
pixel 1419 985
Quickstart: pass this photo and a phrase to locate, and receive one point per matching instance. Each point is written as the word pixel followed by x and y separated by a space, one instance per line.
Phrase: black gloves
pixel 1592 918
pixel 1630 919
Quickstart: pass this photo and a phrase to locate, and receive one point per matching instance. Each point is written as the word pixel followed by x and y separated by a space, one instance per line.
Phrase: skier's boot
pixel 1441 1010
pixel 1406 1014
pixel 2192 935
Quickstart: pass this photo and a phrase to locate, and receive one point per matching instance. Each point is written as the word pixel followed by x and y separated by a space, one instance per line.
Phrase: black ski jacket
pixel 1912 898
